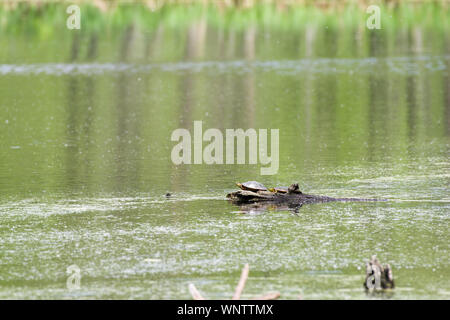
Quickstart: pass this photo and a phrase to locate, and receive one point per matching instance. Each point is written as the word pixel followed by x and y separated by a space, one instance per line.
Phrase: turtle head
pixel 294 188
pixel 239 184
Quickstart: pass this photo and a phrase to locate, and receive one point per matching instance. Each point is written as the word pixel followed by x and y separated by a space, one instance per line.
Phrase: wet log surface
pixel 286 199
pixel 292 199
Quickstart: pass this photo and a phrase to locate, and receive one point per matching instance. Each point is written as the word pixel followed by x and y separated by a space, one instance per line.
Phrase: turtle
pixel 293 188
pixel 279 190
pixel 251 186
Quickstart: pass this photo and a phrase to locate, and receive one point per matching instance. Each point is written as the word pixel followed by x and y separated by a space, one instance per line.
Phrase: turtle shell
pixel 252 186
pixel 280 189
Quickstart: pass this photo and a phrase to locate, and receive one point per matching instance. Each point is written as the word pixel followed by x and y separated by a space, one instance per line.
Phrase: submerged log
pixel 292 198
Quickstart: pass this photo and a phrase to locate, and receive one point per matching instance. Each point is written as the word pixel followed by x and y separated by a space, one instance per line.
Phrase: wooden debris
pixel 239 288
pixel 378 277
pixel 195 293
pixel 241 284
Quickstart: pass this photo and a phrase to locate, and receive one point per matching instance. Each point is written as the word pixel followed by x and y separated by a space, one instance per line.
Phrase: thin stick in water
pixel 195 293
pixel 241 284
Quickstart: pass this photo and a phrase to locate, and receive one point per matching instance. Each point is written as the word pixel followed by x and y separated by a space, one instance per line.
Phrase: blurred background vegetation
pixel 307 48
pixel 201 29
pixel 230 14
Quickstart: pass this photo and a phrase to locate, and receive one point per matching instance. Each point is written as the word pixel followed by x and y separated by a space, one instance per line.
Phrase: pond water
pixel 85 128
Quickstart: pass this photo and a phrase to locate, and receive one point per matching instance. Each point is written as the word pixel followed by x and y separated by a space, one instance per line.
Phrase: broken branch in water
pixel 241 284
pixel 196 295
pixel 378 279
